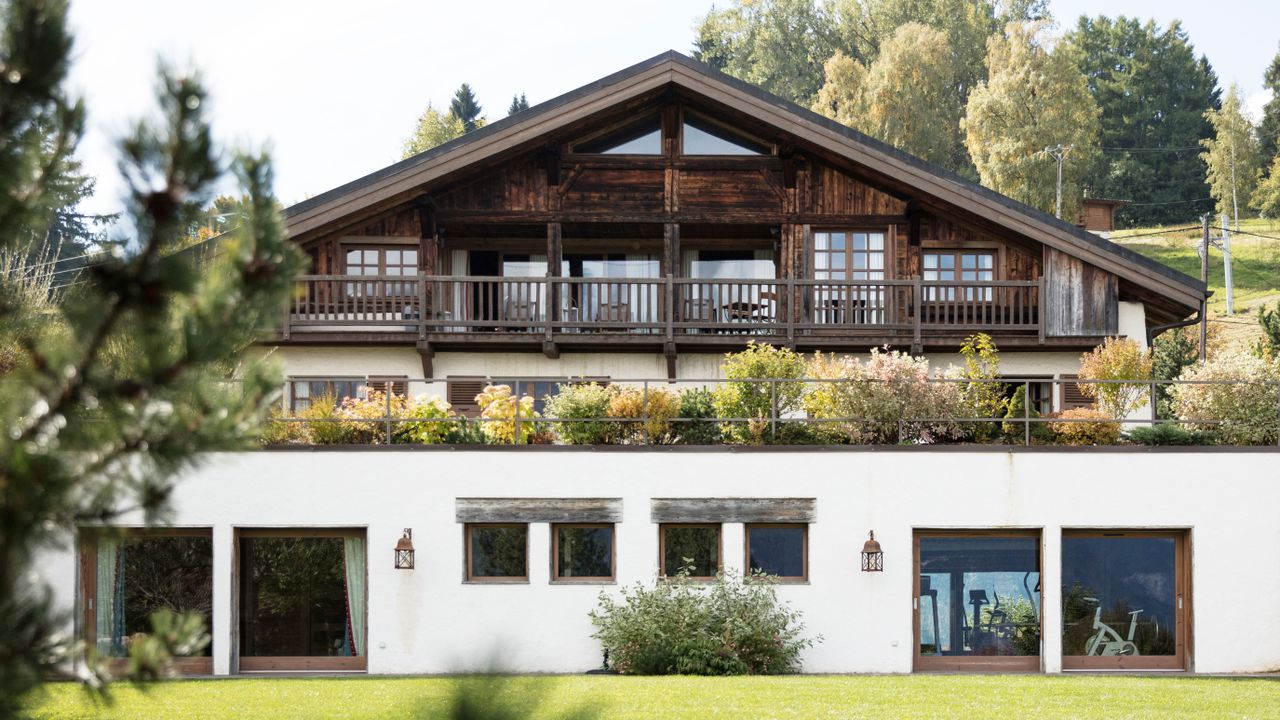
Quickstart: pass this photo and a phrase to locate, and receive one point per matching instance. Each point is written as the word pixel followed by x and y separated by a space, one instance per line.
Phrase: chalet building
pixel 636 229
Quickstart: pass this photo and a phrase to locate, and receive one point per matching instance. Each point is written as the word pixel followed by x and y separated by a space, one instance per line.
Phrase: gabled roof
pixel 404 179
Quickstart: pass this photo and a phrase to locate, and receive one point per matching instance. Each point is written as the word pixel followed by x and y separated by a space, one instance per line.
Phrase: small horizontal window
pixel 583 552
pixel 497 552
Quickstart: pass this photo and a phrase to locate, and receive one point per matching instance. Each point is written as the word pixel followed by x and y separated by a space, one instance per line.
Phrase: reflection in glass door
pixel 978 601
pixel 1123 600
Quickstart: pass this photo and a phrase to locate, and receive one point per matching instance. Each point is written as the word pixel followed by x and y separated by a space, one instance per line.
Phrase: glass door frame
pixel 980 663
pixel 267 663
pixel 1182 634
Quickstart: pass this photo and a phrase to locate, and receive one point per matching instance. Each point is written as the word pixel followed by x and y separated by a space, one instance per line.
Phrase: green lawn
pixel 1026 697
pixel 1255 270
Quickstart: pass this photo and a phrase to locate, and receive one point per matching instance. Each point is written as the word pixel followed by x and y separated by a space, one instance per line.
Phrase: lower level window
pixel 778 550
pixel 497 552
pixel 583 552
pixel 978 600
pixel 302 599
pixel 128 577
pixel 694 549
pixel 1123 600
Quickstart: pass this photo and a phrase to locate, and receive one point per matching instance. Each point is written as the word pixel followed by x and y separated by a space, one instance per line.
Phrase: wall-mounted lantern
pixel 872 555
pixel 404 550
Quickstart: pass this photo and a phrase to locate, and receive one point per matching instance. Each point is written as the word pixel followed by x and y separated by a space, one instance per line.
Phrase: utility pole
pixel 1204 278
pixel 1226 265
pixel 1059 153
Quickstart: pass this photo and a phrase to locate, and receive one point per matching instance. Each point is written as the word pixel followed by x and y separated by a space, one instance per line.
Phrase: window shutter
pixel 462 392
pixel 1072 396
pixel 396 385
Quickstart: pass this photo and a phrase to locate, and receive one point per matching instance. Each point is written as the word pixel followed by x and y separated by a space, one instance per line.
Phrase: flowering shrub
pixel 1116 359
pixel 1090 426
pixel 1246 414
pixel 732 627
pixel 429 421
pixel 755 402
pixel 879 392
pixel 500 409
pixel 587 404
pixel 362 418
pixel 649 412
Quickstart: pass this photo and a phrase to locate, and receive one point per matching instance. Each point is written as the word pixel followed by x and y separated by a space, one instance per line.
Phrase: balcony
pixel 594 311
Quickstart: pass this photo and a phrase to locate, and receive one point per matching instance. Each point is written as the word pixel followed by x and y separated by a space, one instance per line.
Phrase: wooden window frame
pixel 804 551
pixel 472 579
pixel 618 127
pixel 662 549
pixel 88 589
pixel 972 663
pixel 292 382
pixel 611 578
pixel 889 252
pixel 1182 635
pixel 346 246
pixel 295 663
pixel 994 254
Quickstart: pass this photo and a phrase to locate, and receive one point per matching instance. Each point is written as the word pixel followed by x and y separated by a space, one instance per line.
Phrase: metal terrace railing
pixel 775 401
pixel 667 307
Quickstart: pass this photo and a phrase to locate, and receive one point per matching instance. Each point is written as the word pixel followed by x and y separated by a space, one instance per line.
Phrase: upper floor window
pixel 848 256
pixel 958 266
pixel 702 137
pixel 395 261
pixel 642 138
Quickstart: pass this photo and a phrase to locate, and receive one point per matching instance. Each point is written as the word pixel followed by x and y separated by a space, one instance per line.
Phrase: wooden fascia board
pixel 409 181
pixel 941 188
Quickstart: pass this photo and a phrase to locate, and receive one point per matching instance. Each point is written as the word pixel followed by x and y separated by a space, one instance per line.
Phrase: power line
pixel 55 261
pixel 1186 148
pixel 1245 232
pixel 1169 231
pixel 1171 202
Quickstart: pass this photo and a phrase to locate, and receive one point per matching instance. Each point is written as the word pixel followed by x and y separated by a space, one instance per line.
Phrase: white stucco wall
pixel 429 621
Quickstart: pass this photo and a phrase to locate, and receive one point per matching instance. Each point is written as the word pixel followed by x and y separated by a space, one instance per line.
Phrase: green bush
pixel 587 404
pixel 880 393
pixel 1087 426
pixel 982 396
pixel 500 409
pixel 1116 359
pixel 679 627
pixel 427 422
pixel 755 402
pixel 1244 413
pixel 697 412
pixel 1012 427
pixel 1168 434
pixel 646 413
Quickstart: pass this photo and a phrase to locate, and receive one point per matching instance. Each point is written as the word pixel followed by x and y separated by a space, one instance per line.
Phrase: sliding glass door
pixel 977 601
pixel 1124 600
pixel 302 599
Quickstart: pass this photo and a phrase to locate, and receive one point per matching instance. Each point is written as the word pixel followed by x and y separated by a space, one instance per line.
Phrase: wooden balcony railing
pixel 667 307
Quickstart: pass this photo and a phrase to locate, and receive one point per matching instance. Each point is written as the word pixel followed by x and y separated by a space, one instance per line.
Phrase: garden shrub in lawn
pixel 733 626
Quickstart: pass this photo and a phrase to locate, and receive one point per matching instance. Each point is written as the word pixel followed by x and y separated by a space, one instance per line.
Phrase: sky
pixel 333 88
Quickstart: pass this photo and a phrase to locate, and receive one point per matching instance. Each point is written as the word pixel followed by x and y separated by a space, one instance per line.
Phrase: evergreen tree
pixel 465 108
pixel 1032 99
pixel 1231 156
pixel 1153 92
pixel 1266 198
pixel 518 104
pixel 1269 128
pixel 121 384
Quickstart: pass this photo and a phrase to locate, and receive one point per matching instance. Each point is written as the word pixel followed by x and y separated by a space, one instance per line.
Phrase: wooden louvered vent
pixel 398 385
pixel 1072 394
pixel 462 392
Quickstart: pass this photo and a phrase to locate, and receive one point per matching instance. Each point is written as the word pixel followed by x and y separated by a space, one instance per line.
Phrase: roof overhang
pixel 406 180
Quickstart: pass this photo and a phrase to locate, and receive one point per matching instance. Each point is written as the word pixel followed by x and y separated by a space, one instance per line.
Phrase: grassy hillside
pixel 1255 264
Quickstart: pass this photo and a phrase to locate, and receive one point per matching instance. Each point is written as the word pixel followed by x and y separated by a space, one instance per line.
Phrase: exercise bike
pixel 1108 643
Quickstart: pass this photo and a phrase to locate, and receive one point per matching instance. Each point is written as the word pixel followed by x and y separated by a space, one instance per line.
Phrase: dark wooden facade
pixel 547 197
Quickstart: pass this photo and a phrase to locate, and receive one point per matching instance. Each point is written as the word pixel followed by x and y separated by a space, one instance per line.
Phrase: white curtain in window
pixel 110 634
pixel 354 560
pixel 457 309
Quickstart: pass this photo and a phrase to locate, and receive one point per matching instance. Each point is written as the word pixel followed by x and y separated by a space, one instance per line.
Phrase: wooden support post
pixel 671 249
pixel 426 353
pixel 555 256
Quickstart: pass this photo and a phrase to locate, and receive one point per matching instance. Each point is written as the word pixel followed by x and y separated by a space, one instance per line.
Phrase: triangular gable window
pixel 642 138
pixel 705 138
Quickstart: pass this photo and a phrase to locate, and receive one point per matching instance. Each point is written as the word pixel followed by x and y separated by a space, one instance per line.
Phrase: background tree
pixel 780 45
pixel 1231 156
pixel 433 128
pixel 1032 99
pixel 1269 128
pixel 1266 198
pixel 1153 92
pixel 124 382
pixel 906 98
pixel 465 108
pixel 518 104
